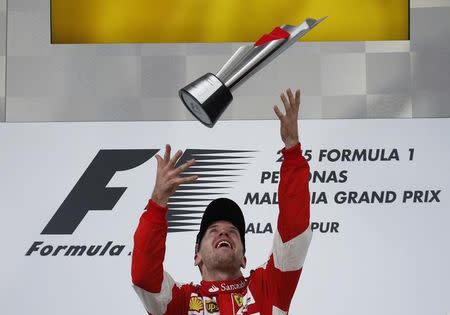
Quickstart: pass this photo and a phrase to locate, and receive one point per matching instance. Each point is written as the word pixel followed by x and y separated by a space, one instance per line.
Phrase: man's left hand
pixel 289 121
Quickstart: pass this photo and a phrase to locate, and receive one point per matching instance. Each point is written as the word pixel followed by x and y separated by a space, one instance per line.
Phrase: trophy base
pixel 206 98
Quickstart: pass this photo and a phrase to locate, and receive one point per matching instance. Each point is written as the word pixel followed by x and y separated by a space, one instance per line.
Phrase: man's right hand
pixel 168 176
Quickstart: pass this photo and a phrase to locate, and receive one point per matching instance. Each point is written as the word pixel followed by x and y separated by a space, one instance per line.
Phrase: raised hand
pixel 289 120
pixel 168 176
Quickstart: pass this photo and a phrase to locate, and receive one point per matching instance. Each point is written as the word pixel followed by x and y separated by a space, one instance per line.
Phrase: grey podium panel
pixel 2 59
pixel 44 82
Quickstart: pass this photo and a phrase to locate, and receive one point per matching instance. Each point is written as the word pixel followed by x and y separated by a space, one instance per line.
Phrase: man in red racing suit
pixel 269 289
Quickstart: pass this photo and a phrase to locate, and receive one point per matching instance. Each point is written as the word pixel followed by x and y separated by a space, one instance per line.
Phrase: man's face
pixel 221 248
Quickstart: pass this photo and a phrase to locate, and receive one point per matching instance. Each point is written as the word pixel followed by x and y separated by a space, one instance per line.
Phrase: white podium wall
pixel 380 203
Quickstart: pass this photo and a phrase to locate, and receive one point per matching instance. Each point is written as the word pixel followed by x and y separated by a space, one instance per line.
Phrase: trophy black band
pixel 208 96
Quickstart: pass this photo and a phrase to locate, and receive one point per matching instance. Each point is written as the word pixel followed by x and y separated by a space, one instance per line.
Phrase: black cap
pixel 222 209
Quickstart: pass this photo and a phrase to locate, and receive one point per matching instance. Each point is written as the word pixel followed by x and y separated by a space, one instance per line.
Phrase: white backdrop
pixel 382 258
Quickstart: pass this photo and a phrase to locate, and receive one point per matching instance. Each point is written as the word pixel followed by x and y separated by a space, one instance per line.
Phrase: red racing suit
pixel 268 290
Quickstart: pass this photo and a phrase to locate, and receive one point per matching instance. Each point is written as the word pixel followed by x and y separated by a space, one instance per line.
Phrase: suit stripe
pixel 156 303
pixel 291 255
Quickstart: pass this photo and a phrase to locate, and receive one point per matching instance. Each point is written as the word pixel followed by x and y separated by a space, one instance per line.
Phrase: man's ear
pixel 243 262
pixel 197 259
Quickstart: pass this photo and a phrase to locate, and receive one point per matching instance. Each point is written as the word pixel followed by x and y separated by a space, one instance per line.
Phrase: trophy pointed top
pixel 313 22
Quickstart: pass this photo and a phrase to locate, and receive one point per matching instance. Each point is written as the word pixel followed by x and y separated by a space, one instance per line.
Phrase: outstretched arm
pixel 279 277
pixel 293 191
pixel 156 288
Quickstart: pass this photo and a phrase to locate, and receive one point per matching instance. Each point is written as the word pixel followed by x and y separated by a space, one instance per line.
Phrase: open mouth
pixel 223 243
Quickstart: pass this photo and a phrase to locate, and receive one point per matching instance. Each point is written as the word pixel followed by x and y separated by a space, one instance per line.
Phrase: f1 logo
pixel 214 167
pixel 90 192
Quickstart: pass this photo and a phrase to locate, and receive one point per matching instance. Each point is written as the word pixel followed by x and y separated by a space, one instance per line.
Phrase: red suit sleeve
pixel 159 293
pixel 277 280
pixel 293 194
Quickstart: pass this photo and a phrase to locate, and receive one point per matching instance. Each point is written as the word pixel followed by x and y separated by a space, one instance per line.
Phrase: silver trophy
pixel 208 96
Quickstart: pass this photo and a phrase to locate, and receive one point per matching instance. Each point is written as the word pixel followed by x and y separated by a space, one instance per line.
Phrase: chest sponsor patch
pixel 234 286
pixel 195 304
pixel 213 289
pixel 238 300
pixel 211 307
